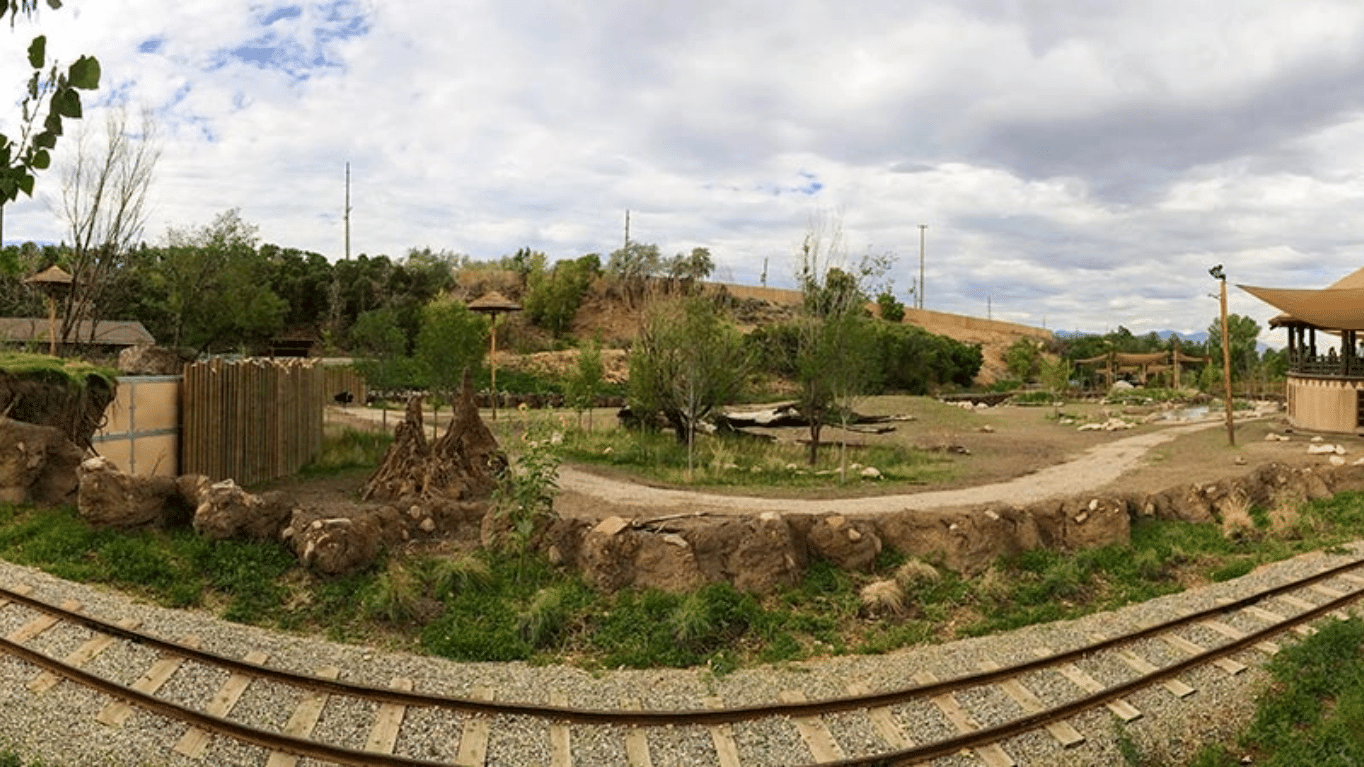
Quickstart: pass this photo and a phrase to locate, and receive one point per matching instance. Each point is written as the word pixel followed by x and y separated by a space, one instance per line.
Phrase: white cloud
pixel 1078 164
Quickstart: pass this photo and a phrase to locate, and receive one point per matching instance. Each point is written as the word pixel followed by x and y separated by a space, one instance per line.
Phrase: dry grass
pixel 883 598
pixel 915 573
pixel 1285 518
pixel 1236 521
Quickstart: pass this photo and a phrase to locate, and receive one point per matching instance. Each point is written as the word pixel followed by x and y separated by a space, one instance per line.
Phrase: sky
pixel 1074 164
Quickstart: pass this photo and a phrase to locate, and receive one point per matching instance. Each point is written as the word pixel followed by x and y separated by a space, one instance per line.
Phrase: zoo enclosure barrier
pixel 251 420
pixel 141 431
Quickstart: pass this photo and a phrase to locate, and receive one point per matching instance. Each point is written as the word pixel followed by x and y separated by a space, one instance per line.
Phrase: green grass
pixel 739 461
pixel 348 450
pixel 487 605
pixel 1313 714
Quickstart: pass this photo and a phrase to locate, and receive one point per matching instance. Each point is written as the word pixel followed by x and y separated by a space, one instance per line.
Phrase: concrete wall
pixel 141 434
pixel 1324 404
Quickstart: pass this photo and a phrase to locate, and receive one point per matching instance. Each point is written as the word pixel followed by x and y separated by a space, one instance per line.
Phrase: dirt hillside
pixel 608 316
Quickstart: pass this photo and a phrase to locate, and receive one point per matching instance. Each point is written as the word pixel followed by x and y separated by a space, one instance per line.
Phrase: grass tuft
pixel 883 598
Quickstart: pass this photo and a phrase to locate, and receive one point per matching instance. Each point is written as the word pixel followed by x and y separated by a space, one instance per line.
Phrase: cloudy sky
pixel 1079 164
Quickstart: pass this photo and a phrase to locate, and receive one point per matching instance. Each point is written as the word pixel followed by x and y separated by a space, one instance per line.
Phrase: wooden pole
pixel 1226 364
pixel 52 325
pixel 492 358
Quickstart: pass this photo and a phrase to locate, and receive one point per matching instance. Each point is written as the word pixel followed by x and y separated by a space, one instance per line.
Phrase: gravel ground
pixel 59 726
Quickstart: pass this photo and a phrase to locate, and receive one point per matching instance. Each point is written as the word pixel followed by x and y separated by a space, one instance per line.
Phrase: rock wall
pixel 680 552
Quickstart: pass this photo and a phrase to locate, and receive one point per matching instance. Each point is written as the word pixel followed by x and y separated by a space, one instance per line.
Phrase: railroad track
pixel 977 714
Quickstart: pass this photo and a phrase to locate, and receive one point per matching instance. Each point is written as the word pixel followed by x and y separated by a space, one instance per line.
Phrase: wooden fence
pixel 251 420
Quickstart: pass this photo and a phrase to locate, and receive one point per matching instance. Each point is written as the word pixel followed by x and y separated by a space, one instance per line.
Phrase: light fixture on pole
pixel 1221 277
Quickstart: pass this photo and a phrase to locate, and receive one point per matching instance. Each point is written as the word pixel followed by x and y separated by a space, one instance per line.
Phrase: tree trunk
pixel 815 427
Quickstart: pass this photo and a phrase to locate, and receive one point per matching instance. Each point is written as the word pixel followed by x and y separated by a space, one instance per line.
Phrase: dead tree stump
pixel 465 463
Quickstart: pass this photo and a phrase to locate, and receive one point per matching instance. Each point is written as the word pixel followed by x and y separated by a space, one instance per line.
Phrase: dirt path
pixel 583 492
pixel 1026 459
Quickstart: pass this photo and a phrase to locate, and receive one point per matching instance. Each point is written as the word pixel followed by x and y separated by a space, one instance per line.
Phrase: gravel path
pixel 59 726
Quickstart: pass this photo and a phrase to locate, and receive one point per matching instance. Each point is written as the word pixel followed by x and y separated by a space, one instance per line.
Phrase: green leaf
pixel 67 103
pixel 53 124
pixel 54 4
pixel 41 159
pixel 26 184
pixel 84 73
pixel 37 52
pixel 43 140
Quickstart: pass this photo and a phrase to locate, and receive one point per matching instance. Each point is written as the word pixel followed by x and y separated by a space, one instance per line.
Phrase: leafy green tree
pixel 585 382
pixel 687 361
pixel 1022 358
pixel 452 340
pixel 1244 334
pixel 553 296
pixel 1055 374
pixel 381 348
pixel 632 266
pixel 217 286
pixel 50 88
pixel 836 348
pixel 303 280
pixel 889 307
pixel 692 267
pixel 916 361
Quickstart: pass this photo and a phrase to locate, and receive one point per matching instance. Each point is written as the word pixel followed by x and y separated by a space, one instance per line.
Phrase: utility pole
pixel 920 292
pixel 347 211
pixel 627 232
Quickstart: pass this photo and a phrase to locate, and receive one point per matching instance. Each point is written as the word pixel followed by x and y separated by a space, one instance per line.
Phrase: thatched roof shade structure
pixel 493 303
pixel 53 276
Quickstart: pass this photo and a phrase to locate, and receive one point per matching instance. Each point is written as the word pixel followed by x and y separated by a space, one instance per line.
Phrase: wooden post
pixel 1226 363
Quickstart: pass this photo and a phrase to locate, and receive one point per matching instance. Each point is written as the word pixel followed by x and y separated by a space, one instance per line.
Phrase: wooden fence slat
pixel 251 420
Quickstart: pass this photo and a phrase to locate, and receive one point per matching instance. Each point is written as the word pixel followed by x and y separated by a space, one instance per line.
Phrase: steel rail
pixel 245 733
pixel 997 733
pixel 662 717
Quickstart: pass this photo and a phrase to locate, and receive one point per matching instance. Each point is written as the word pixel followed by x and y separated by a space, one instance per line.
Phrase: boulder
pixel 147 360
pixel 755 554
pixel 1097 522
pixel 227 511
pixel 38 464
pixel 849 545
pixel 110 498
pixel 615 555
pixel 336 545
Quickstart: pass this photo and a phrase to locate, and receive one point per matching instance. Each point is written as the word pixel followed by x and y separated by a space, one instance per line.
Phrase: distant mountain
pixel 1193 339
pixel 1196 338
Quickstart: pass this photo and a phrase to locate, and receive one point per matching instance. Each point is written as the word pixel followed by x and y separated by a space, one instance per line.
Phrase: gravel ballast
pixel 59 726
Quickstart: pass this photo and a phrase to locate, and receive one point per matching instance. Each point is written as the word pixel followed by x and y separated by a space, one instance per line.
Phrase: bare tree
pixel 104 202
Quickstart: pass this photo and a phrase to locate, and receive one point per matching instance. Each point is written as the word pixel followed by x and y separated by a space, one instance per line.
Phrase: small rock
pixel 871 472
pixel 428 525
pixel 988 429
pixel 1337 461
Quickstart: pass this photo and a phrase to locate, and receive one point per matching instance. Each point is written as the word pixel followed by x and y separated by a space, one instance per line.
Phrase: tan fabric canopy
pixel 1119 358
pixel 1327 308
